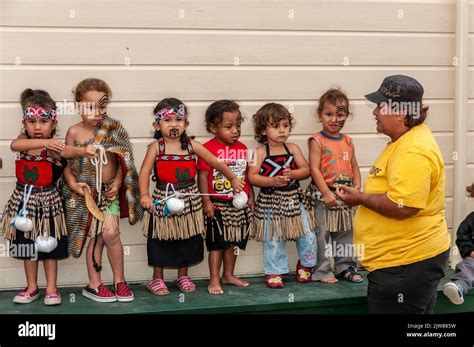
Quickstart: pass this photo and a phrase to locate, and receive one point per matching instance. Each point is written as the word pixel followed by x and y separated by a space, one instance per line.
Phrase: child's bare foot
pixel 235 281
pixel 214 287
pixel 328 280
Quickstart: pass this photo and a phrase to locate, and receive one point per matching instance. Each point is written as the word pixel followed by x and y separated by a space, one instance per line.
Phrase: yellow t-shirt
pixel 411 172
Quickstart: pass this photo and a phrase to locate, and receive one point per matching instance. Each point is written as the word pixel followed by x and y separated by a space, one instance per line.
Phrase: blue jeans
pixel 275 255
pixel 464 274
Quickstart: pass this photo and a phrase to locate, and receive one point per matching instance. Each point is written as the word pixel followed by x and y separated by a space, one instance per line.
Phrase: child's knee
pixel 111 235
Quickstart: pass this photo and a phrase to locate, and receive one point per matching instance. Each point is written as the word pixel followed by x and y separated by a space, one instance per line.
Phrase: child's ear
pixel 156 125
pixel 212 129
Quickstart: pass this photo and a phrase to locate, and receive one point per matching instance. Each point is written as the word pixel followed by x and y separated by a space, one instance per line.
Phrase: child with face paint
pixel 39 165
pixel 333 162
pixel 175 238
pixel 106 156
pixel 282 212
pixel 227 227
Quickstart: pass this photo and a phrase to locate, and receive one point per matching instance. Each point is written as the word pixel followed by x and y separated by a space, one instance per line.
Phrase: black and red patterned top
pixel 39 170
pixel 174 168
pixel 273 165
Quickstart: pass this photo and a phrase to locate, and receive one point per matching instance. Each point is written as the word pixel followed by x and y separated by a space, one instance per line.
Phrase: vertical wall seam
pixel 461 77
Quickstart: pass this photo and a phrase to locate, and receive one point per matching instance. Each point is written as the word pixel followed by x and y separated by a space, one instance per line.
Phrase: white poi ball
pixel 175 205
pixel 45 244
pixel 23 224
pixel 240 200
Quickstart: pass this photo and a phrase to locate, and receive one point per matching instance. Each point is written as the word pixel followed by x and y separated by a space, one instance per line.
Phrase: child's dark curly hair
pixel 271 113
pixel 215 112
pixel 37 97
pixel 177 104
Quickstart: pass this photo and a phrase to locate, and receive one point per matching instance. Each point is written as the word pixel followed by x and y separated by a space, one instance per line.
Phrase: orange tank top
pixel 336 158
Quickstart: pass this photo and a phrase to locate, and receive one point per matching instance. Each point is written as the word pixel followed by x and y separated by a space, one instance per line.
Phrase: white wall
pixel 201 51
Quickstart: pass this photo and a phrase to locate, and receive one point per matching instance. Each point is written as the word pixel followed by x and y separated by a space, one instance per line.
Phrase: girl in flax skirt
pixel 174 227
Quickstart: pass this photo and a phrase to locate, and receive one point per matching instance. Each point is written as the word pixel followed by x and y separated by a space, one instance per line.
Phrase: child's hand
pixel 208 208
pixel 237 184
pixel 54 145
pixel 251 204
pixel 79 188
pixel 279 181
pixel 112 192
pixel 287 173
pixel 90 151
pixel 146 202
pixel 330 199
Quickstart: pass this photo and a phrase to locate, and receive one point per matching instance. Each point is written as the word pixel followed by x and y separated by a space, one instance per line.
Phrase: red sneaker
pixel 274 281
pixel 124 294
pixel 100 294
pixel 303 273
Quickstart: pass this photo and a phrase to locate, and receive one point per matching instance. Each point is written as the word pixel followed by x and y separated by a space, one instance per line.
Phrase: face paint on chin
pixel 174 132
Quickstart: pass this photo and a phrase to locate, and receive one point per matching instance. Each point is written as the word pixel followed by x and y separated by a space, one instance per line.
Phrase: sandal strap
pixel 185 282
pixel 157 284
pixel 349 274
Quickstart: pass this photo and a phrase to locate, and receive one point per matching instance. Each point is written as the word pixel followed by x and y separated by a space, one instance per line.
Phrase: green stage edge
pixel 295 298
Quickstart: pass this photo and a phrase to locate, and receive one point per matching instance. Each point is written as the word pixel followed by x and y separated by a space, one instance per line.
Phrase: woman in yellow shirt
pixel 400 222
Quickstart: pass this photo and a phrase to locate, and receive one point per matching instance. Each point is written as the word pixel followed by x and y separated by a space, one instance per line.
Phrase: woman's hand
pixel 350 195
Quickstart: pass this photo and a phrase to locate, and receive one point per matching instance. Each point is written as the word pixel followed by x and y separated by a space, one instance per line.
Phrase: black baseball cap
pixel 398 88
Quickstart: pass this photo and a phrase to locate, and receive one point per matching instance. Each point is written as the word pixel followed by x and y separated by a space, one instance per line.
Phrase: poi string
pixel 26 197
pixel 98 162
pixel 157 202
